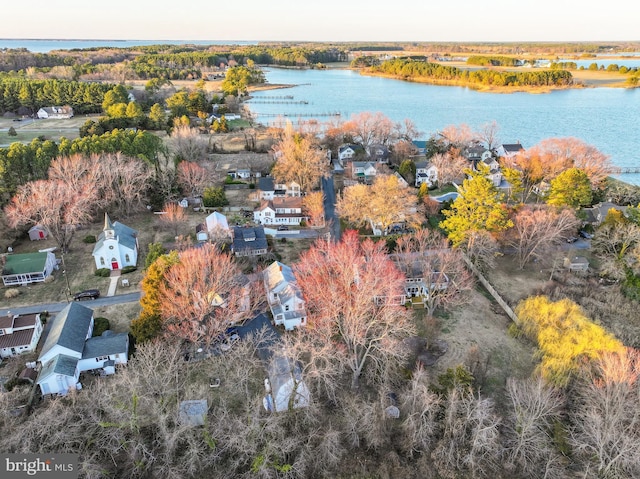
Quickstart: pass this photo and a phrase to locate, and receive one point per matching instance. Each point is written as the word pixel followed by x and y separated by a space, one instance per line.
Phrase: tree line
pixel 20 92
pixel 414 70
pixel 494 61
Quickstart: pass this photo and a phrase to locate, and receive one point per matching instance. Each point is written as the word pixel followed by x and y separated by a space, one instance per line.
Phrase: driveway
pixel 330 208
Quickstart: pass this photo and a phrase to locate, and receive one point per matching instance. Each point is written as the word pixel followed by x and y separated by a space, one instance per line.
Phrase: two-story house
pixel 249 241
pixel 284 296
pixel 280 211
pixel 379 153
pixel 268 188
pixel 70 350
pixel 349 152
pixel 363 171
pixel 426 173
pixel 19 334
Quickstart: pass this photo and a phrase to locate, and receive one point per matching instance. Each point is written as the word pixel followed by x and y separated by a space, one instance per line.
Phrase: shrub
pixel 100 325
pixel 103 272
pixel 12 293
pixel 89 239
pixel 128 269
pixel 13 382
pixel 49 279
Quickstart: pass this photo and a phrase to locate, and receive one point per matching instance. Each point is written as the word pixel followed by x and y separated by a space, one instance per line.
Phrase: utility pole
pixel 64 273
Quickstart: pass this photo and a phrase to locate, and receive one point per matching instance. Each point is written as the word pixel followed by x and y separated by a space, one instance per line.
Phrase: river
pixel 607 118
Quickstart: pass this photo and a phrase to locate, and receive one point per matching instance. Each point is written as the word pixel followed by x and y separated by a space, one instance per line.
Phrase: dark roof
pixel 69 328
pixel 25 263
pixel 266 183
pixel 6 321
pixel 248 239
pixel 29 373
pixel 264 349
pixel 25 320
pixel 105 345
pixel 17 339
pixel 515 147
pixel 60 364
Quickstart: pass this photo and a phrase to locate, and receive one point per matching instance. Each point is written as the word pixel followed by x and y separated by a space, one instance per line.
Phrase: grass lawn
pixel 441 191
pixel 26 136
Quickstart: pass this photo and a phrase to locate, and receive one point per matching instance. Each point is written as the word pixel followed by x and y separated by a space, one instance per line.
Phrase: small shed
pixel 193 412
pixel 577 264
pixel 38 232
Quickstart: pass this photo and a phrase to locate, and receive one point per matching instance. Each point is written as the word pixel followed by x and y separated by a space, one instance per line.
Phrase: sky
pixel 326 20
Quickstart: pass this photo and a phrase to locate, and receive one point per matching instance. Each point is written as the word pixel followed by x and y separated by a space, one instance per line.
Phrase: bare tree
pixel 428 256
pixel 470 440
pixel 450 167
pixel 489 135
pixel 192 178
pixel 535 408
pixel 537 229
pixel 173 216
pixel 350 289
pixel 607 418
pixel 421 408
pixel 369 128
pixel 124 181
pixel 201 295
pixel 187 143
pixel 55 205
pixel 458 136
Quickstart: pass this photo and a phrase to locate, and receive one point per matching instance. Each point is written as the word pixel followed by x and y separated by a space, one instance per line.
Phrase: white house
pixel 509 150
pixel 27 268
pixel 215 226
pixel 70 350
pixel 426 173
pixel 55 112
pixel 280 211
pixel 349 152
pixel 284 296
pixel 117 246
pixel 19 334
pixel 37 233
pixel 379 153
pixel 364 171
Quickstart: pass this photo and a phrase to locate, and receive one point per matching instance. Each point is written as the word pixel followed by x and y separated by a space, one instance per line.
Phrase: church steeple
pixel 109 232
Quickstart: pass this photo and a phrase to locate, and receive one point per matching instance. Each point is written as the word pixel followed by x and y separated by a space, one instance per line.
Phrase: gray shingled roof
pixel 105 345
pixel 266 184
pixel 126 236
pixel 249 239
pixel 61 364
pixel 69 328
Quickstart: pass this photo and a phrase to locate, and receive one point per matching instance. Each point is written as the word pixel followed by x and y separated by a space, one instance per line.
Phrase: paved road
pixel 330 208
pixel 56 307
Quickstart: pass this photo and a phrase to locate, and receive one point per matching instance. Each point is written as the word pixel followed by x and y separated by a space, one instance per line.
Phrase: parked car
pixel 283 228
pixel 585 234
pixel 227 343
pixel 572 239
pixel 87 294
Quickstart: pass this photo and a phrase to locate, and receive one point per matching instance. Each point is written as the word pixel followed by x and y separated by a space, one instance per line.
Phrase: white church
pixel 117 246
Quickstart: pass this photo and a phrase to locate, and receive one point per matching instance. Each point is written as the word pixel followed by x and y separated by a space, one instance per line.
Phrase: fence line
pixel 492 291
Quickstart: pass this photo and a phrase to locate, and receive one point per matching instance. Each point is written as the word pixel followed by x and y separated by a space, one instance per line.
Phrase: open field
pixel 27 129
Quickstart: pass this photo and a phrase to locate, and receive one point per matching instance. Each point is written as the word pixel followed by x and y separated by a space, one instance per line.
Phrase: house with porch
pixel 70 350
pixel 27 268
pixel 268 188
pixel 363 171
pixel 284 296
pixel 19 334
pixel 117 246
pixel 280 211
pixel 419 284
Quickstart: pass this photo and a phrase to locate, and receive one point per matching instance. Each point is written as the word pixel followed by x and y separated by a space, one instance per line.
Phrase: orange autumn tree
pixel 355 299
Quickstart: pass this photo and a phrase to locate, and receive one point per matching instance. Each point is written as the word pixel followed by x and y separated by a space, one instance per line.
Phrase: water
pixel 45 46
pixel 607 118
pixel 626 62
